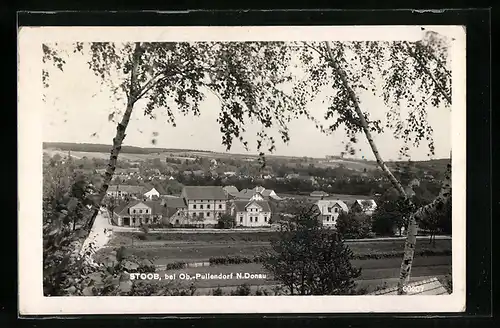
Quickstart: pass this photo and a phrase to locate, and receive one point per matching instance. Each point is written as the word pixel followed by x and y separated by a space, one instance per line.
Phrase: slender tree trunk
pixel 437 204
pixel 117 142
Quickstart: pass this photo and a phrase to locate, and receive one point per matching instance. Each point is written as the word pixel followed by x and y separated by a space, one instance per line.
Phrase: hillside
pixel 102 148
pixel 133 153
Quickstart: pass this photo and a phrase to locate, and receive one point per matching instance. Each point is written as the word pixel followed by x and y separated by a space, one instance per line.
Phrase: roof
pixel 148 187
pixel 366 204
pixel 176 202
pixel 430 286
pixel 127 189
pixel 241 205
pixel 319 193
pixel 333 202
pixel 245 194
pixel 231 190
pixel 204 192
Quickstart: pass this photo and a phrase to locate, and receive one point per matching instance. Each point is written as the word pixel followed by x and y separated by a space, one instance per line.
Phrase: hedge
pixel 228 260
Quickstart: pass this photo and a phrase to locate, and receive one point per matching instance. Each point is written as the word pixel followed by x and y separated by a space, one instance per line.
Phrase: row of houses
pixel 204 205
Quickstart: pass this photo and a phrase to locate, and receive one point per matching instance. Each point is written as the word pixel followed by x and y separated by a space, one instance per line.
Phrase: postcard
pixel 249 169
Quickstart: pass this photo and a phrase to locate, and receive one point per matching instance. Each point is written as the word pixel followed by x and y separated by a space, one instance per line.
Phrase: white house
pixel 253 213
pixel 152 193
pixel 330 210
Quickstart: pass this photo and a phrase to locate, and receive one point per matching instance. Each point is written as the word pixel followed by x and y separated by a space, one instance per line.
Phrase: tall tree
pixel 414 75
pixel 309 259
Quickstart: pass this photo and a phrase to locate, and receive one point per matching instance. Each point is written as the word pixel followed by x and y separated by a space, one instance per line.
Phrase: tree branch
pixel 362 119
pixel 437 85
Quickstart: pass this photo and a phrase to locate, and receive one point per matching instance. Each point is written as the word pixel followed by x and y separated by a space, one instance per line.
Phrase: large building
pixel 205 204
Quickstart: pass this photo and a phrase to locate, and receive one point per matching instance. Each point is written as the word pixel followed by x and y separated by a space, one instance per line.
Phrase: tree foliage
pixel 354 225
pixel 309 260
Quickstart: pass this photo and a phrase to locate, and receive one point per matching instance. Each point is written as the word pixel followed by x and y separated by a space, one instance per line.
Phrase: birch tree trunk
pixel 115 151
pixel 438 203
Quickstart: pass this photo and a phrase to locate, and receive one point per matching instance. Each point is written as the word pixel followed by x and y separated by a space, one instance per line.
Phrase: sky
pixel 77 107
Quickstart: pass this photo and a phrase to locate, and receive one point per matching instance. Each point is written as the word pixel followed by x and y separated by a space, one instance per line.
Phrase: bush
pixel 145 229
pixel 176 265
pixel 217 292
pixel 226 221
pixel 243 290
pixel 228 260
pixel 121 253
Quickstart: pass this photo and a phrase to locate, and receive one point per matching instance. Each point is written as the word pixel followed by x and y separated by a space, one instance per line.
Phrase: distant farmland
pixel 133 153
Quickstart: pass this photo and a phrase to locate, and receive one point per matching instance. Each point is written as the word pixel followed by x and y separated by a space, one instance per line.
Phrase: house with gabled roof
pixel 257 193
pixel 253 213
pixel 136 213
pixel 205 204
pixel 330 209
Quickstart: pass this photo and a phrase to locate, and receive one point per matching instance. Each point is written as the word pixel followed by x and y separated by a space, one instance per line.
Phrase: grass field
pixel 200 247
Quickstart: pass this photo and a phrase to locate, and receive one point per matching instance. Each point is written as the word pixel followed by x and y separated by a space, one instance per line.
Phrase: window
pixel 336 209
pixel 146 211
pixel 265 218
pixel 256 219
pixel 201 207
pixel 327 219
pixel 329 210
pixel 201 214
pixel 220 206
pixel 140 211
pixel 133 211
pixel 146 221
pixel 133 221
pixel 194 206
pixel 208 214
pixel 241 219
pixel 251 219
pixel 208 206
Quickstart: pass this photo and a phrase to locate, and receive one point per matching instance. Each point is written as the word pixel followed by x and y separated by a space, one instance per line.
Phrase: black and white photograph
pixel 306 168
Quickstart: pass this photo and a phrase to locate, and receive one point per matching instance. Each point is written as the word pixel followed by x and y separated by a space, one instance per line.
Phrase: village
pixel 204 206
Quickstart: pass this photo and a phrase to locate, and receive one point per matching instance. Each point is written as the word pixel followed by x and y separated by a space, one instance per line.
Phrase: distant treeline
pixel 101 148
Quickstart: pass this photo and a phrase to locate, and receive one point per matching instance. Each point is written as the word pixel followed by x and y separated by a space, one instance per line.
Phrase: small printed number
pixel 413 289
